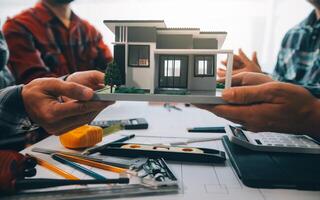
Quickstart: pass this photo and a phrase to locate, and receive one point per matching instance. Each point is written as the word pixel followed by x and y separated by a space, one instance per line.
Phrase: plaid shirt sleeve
pixel 298 60
pixel 22 45
pixel 315 90
pixel 280 73
pixel 13 117
pixel 104 53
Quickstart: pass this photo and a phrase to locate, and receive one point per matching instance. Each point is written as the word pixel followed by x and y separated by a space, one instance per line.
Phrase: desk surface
pixel 196 180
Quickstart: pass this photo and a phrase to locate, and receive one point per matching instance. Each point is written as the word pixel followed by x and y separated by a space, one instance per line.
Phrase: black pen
pixel 97 149
pixel 217 129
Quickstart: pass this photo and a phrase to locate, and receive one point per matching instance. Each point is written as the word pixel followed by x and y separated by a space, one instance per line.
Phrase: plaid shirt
pixel 41 46
pixel 299 58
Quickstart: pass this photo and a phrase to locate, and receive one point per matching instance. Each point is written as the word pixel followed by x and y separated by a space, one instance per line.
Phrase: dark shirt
pixel 42 46
pixel 6 78
pixel 299 58
pixel 13 117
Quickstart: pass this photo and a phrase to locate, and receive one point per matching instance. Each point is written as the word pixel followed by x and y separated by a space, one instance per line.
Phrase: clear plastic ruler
pixel 106 192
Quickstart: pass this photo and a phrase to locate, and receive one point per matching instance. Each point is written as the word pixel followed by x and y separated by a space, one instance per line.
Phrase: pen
pixel 97 149
pixel 78 167
pixel 128 137
pixel 55 169
pixel 216 129
pixel 196 140
pixel 93 163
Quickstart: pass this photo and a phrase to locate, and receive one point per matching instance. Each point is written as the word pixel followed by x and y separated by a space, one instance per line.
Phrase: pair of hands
pixel 241 63
pixel 262 104
pixel 42 104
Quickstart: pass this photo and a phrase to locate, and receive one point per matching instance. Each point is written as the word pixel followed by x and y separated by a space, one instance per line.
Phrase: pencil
pixel 78 167
pixel 55 169
pixel 93 163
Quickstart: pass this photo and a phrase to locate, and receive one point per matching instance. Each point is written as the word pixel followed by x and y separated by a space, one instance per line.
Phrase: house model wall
pixel 155 58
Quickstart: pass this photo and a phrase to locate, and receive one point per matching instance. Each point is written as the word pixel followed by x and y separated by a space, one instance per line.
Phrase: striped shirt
pixel 299 57
pixel 42 46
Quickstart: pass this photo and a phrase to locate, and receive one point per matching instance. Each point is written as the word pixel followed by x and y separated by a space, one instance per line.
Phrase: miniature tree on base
pixel 112 76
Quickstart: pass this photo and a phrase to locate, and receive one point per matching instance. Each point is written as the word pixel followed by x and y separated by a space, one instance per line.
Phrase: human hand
pixel 274 106
pixel 241 63
pixel 41 101
pixel 93 79
pixel 248 78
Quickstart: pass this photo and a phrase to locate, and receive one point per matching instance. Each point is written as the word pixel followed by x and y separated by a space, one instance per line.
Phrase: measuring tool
pixel 175 153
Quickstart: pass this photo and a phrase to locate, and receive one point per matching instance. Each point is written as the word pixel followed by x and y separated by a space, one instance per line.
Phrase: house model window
pixel 139 55
pixel 172 68
pixel 204 66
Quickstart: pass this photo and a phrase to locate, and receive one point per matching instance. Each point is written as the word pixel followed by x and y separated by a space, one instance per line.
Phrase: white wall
pixel 251 24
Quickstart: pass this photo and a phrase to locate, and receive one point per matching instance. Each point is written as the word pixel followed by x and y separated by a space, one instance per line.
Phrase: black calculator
pixel 273 142
pixel 135 123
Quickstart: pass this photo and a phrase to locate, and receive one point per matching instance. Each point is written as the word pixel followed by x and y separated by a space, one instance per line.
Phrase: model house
pixel 156 58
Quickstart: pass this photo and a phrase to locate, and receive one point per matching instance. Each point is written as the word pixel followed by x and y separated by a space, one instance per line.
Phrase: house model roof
pixel 111 24
pixel 162 29
pixel 160 25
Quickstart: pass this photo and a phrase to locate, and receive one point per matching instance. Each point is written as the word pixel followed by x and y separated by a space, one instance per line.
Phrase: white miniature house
pixel 156 58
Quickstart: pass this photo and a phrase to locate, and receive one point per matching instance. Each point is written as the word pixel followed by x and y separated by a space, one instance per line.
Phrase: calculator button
pixel 258 141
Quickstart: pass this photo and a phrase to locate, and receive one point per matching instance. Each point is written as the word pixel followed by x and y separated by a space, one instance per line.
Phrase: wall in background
pixel 251 24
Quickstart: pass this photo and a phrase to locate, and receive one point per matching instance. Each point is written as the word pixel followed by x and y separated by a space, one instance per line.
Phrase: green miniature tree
pixel 112 76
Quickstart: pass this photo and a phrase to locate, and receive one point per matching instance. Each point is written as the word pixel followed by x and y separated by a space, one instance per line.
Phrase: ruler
pixel 106 192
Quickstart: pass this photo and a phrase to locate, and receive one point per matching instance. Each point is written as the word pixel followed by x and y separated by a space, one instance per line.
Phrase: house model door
pixel 173 71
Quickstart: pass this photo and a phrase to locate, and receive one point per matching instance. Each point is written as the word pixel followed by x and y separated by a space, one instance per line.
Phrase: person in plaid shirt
pixel 289 100
pixel 49 40
pixel 299 57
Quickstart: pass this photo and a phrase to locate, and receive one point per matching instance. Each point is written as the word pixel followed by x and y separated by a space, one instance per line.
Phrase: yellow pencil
pixel 93 163
pixel 55 169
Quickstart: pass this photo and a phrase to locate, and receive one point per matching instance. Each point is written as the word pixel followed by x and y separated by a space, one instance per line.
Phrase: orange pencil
pixel 93 163
pixel 55 169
